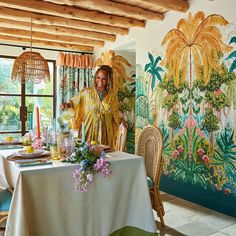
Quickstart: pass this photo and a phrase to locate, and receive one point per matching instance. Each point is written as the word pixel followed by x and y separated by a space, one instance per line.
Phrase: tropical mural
pixel 124 87
pixel 188 89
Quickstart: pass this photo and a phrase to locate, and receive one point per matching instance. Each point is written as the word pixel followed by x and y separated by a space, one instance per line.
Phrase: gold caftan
pixel 101 118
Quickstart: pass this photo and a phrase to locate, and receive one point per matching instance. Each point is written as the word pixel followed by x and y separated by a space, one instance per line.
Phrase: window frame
pixel 23 96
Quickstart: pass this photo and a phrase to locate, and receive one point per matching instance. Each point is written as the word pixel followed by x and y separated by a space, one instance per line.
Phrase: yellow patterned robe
pixel 101 118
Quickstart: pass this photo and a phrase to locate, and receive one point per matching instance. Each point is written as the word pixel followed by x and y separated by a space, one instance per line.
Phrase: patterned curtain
pixel 75 73
pixel 72 81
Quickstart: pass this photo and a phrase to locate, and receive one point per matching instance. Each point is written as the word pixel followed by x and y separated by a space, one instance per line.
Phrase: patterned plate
pixel 23 153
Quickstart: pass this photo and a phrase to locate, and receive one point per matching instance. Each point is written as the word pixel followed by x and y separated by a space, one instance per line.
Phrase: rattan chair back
pixel 150 146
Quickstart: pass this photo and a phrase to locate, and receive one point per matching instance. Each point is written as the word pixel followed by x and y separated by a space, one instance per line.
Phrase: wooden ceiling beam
pixel 56 30
pixel 25 16
pixel 71 12
pixel 176 5
pixel 113 8
pixel 51 37
pixel 56 45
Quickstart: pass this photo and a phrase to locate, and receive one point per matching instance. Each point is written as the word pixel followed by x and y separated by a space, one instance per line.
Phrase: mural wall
pixel 188 89
pixel 198 145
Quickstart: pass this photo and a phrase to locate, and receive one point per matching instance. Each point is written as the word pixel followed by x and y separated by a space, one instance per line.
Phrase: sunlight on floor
pixel 185 218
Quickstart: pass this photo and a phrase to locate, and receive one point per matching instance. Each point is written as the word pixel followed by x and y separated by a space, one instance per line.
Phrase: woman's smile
pixel 101 80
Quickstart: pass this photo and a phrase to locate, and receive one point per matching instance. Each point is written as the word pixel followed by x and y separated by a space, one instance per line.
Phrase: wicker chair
pixel 150 146
pixel 5 201
pixel 121 138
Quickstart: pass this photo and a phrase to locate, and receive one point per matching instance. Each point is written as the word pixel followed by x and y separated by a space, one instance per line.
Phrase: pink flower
pixel 218 92
pixel 89 178
pixel 180 149
pixel 102 167
pixel 205 159
pixel 104 172
pixel 176 153
pixel 99 164
pixel 37 144
pixel 76 174
pixel 227 191
pixel 200 152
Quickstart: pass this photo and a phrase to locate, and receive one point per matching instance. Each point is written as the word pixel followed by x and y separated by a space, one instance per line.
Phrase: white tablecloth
pixel 45 203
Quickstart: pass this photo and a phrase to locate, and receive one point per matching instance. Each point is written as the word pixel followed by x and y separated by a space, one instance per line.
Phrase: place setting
pixel 30 157
pixel 10 143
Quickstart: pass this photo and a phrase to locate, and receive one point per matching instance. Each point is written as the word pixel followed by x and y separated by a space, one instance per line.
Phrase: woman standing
pixel 97 107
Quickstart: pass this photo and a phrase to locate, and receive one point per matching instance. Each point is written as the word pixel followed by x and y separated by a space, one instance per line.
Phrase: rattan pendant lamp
pixel 30 66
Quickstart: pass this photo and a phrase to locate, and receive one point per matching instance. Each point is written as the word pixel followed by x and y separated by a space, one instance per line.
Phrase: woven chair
pixel 150 146
pixel 5 201
pixel 121 138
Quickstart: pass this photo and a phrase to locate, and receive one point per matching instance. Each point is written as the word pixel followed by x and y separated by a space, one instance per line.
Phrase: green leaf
pixel 159 69
pixel 231 55
pixel 185 111
pixel 157 60
pixel 151 58
pixel 198 100
pixel 232 40
pixel 147 66
pixel 233 66
pixel 158 76
pixel 196 111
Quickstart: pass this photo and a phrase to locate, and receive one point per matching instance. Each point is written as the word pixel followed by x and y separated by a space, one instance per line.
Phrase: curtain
pixel 75 73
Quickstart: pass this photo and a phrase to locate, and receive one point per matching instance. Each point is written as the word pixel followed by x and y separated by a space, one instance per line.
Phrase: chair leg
pixel 158 205
pixel 161 207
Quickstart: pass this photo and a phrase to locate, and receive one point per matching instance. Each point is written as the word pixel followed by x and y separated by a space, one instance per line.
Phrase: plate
pixel 36 153
pixel 13 142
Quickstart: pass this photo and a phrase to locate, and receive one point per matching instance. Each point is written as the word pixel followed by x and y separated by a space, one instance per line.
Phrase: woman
pixel 97 107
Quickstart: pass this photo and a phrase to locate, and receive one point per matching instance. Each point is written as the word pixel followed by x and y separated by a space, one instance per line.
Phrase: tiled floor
pixel 185 218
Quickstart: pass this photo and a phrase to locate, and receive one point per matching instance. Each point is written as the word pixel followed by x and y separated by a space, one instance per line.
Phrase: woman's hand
pixel 124 123
pixel 64 106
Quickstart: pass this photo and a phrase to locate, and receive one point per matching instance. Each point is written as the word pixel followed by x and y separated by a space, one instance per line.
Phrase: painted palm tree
pixel 195 40
pixel 232 55
pixel 117 63
pixel 193 46
pixel 153 69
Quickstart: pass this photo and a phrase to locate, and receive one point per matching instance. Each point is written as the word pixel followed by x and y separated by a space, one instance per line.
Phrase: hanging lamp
pixel 30 66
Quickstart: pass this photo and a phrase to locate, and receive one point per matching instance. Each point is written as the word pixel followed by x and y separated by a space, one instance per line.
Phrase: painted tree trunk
pixel 190 108
pixel 172 138
pixel 211 143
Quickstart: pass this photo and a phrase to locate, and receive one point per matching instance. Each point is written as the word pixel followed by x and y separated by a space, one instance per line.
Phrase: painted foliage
pixel 190 93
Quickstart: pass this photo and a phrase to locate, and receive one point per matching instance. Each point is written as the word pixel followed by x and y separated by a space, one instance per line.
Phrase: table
pixel 45 203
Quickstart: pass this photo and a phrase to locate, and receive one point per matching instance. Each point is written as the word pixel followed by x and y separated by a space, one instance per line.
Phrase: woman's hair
pixel 109 72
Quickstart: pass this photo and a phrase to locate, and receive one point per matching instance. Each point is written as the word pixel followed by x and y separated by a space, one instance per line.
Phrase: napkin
pixel 33 163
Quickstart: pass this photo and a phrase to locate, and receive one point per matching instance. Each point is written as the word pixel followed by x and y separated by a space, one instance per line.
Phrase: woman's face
pixel 101 79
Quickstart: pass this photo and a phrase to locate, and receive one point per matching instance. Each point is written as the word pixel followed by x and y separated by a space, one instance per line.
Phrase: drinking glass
pixel 55 152
pixel 67 146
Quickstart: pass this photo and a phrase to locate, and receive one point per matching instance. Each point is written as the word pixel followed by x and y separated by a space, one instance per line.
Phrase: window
pixel 19 101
